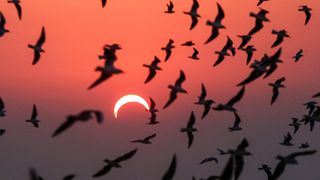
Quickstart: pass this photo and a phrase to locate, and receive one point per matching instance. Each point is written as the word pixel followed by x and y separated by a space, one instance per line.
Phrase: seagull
pixel 153 68
pixel 276 86
pixel 188 43
pixel 114 163
pixel 202 96
pixel 231 102
pixel 177 88
pixel 316 95
pixel 109 52
pixel 205 102
pixel 153 111
pixel 222 152
pixel 104 2
pixel 3 29
pixel 168 49
pixel 195 54
pixel 307 12
pixel 18 7
pixel 221 56
pixel 261 1
pixel 249 50
pixel 190 129
pixel 236 124
pixel 260 18
pixel 33 118
pixel 266 169
pixel 280 37
pixel 295 124
pixel 172 169
pixel 2 110
pixel 209 159
pixel 193 13
pixel 2 131
pixel 304 145
pixel 298 55
pixel 146 140
pixel 216 24
pixel 38 47
pixel 170 7
pixel 224 52
pixel 287 140
pixel 290 159
pixel 244 40
pixel 83 116
pixel 69 177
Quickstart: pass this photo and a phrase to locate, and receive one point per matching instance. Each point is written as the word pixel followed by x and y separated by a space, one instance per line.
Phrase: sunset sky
pixel 76 33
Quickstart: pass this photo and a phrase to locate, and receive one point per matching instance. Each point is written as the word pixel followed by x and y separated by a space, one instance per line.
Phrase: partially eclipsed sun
pixel 129 99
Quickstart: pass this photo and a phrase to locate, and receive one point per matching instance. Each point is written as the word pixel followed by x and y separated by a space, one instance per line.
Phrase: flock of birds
pixel 262 68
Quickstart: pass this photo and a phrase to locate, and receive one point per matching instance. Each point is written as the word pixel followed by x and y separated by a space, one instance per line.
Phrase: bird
pixel 83 116
pixel 175 89
pixel 249 50
pixel 266 169
pixel 245 39
pixel 307 12
pixel 169 174
pixel 222 152
pixel 224 52
pixel 190 129
pixel 18 7
pixel 221 56
pixel 38 47
pixel 3 29
pixel 236 124
pixel 316 95
pixel 188 43
pixel 304 145
pixel 280 37
pixel 153 111
pixel 69 177
pixel 207 106
pixel 194 56
pixel 260 18
pixel 289 159
pixel 231 102
pixel 193 13
pixel 146 140
pixel 311 106
pixel 298 55
pixel 276 86
pixel 216 25
pixel 109 52
pixel 2 131
pixel 114 163
pixel 202 97
pixel 261 1
pixel 33 118
pixel 2 110
pixel 287 140
pixel 168 49
pixel 209 159
pixel 104 2
pixel 153 68
pixel 170 7
pixel 295 124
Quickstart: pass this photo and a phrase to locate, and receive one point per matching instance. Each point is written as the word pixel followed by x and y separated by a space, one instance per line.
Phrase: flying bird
pixel 249 50
pixel 298 55
pixel 2 131
pixel 3 29
pixel 316 95
pixel 146 140
pixel 231 102
pixel 33 118
pixel 221 57
pixel 168 49
pixel 109 52
pixel 287 140
pixel 38 47
pixel 236 124
pixel 171 170
pixel 18 7
pixel 224 52
pixel 216 25
pixel 289 159
pixel 177 88
pixel 307 12
pixel 188 43
pixel 295 124
pixel 153 111
pixel 222 152
pixel 266 169
pixel 276 86
pixel 194 56
pixel 190 129
pixel 2 110
pixel 83 116
pixel 207 103
pixel 261 1
pixel 104 2
pixel 153 68
pixel 114 163
pixel 245 39
pixel 280 37
pixel 260 18
pixel 304 145
pixel 209 159
pixel 170 7
pixel 193 13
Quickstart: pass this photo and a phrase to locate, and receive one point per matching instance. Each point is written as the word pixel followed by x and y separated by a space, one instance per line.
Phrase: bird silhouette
pixel 153 68
pixel 298 55
pixel 33 118
pixel 194 56
pixel 249 50
pixel 304 145
pixel 3 29
pixel 236 124
pixel 2 110
pixel 275 88
pixel 145 140
pixel 18 7
pixel 169 174
pixel 170 7
pixel 193 13
pixel 188 43
pixel 307 12
pixel 245 39
pixel 209 159
pixel 216 25
pixel 168 49
pixel 153 111
pixel 38 47
pixel 280 37
pixel 190 129
pixel 229 105
pixel 2 131
pixel 287 140
pixel 295 124
pixel 260 18
pixel 175 89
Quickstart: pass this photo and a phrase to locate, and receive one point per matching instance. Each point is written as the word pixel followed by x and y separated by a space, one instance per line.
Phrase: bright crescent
pixel 128 99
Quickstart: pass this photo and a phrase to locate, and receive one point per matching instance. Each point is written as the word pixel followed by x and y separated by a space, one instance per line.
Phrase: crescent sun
pixel 129 99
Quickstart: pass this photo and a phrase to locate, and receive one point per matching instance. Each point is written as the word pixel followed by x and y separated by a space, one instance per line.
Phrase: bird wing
pixel 237 98
pixel 274 95
pixel 258 26
pixel 36 57
pixel 69 177
pixel 316 95
pixel 191 121
pixel 168 54
pixel 102 78
pixel 255 74
pixel 152 73
pixel 220 15
pixel 152 103
pixel 206 110
pixel 126 156
pixel 214 34
pixel 190 138
pixel 237 120
pixel 2 21
pixel 181 78
pixel 228 169
pixel 103 171
pixel 99 116
pixel 203 92
pixel 308 16
pixel 219 60
pixel 150 137
pixel 173 97
pixel 18 7
pixel 172 169
pixel 42 38
pixel 104 2
pixel 302 153
pixel 278 170
pixel 1 104
pixel 64 126
pixel 249 56
pixel 34 112
pixel 279 81
pixel 194 21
